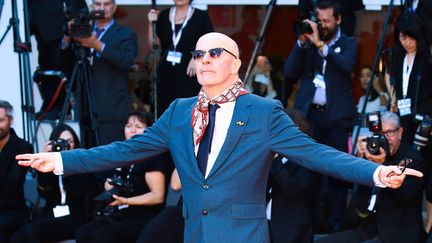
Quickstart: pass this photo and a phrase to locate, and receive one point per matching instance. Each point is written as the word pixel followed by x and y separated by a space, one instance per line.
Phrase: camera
pixel 121 188
pixel 377 140
pixel 421 137
pixel 60 145
pixel 82 26
pixel 300 27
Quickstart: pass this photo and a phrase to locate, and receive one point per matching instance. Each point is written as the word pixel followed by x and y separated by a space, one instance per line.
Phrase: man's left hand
pixel 90 42
pixel 392 177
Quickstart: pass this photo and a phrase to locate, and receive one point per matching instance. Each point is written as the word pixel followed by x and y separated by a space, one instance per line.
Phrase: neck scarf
pixel 200 111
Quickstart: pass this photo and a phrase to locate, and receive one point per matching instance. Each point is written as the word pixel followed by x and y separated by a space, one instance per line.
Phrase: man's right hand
pixel 152 15
pixel 43 162
pixel 314 37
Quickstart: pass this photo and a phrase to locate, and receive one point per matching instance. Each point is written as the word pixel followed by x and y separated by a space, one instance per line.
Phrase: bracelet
pixel 320 45
pixel 127 203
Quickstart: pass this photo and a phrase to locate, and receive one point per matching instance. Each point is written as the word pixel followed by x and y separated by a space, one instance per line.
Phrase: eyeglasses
pixel 214 53
pixel 390 133
pixel 403 164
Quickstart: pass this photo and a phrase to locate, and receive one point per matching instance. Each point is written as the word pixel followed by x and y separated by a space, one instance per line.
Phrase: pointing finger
pixel 24 156
pixel 413 172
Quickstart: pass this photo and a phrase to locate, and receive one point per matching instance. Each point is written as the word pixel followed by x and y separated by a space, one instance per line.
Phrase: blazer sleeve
pixel 295 63
pixel 152 142
pixel 343 60
pixel 122 54
pixel 286 139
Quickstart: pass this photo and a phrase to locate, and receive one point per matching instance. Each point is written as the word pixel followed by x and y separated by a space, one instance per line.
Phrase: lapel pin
pixel 240 123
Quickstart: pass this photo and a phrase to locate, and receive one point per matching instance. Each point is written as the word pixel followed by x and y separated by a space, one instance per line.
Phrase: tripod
pixel 26 85
pixel 81 75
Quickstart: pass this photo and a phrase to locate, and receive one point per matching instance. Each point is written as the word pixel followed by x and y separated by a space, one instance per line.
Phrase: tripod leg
pixel 69 93
pixel 92 110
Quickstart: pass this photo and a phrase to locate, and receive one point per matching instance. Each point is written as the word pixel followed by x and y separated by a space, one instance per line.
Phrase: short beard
pixel 331 33
pixel 3 134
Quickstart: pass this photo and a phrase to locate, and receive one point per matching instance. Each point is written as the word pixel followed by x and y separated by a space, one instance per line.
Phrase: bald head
pixel 220 40
pixel 217 68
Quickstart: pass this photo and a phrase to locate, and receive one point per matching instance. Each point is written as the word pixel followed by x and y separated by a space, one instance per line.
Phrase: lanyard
pixel 406 72
pixel 62 191
pixel 176 37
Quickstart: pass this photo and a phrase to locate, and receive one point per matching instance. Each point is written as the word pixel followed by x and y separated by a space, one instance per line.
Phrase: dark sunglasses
pixel 403 164
pixel 214 53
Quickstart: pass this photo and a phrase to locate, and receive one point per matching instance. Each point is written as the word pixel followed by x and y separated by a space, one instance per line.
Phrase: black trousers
pixel 106 230
pixel 334 191
pixel 48 229
pixel 166 227
pixel 10 221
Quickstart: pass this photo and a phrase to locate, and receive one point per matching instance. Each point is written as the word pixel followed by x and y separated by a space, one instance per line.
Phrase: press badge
pixel 319 81
pixel 404 106
pixel 61 210
pixel 174 57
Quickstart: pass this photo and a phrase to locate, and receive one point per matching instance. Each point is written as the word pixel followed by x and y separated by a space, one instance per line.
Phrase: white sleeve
pixel 376 179
pixel 58 164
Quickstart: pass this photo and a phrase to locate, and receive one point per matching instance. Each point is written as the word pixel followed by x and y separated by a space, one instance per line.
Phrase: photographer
pixel 410 75
pixel 126 215
pixel 386 215
pixel 113 51
pixel 67 200
pixel 47 23
pixel 323 58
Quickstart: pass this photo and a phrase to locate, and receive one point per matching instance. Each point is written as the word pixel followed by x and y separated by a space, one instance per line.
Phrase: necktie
pixel 205 144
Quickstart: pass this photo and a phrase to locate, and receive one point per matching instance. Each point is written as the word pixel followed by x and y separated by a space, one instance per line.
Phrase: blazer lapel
pixel 188 133
pixel 239 121
pixel 109 33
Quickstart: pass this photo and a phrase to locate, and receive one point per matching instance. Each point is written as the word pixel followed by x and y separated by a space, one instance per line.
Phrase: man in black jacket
pixel 388 215
pixel 113 50
pixel 47 22
pixel 13 210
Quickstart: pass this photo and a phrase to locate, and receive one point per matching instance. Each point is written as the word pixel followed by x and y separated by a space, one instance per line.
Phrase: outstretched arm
pixel 286 139
pixel 152 142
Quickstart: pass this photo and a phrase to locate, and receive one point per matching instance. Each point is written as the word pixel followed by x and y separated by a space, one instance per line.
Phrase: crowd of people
pixel 210 146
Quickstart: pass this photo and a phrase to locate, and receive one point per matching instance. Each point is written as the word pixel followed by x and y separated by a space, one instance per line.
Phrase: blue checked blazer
pixel 228 205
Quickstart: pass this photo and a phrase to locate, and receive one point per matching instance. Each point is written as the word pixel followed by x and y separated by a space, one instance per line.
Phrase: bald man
pixel 223 142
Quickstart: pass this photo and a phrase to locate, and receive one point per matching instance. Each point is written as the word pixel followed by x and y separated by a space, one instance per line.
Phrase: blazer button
pixel 206 187
pixel 204 212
